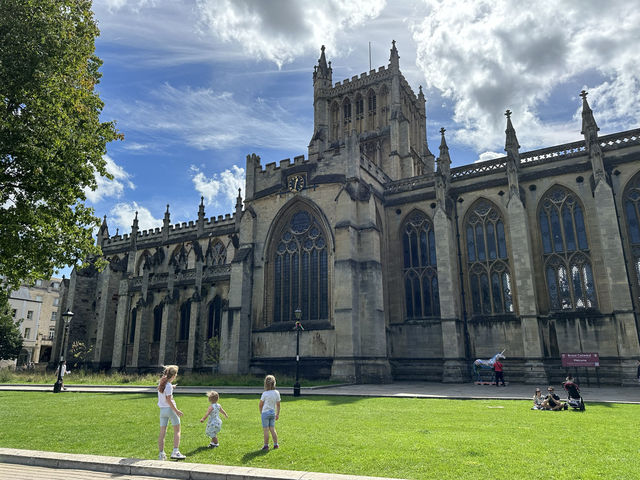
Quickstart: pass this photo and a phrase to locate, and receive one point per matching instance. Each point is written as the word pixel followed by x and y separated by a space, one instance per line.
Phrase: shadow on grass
pixel 197 450
pixel 247 457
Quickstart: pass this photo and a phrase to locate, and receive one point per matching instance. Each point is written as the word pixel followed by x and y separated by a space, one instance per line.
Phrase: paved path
pixel 515 391
pixel 12 471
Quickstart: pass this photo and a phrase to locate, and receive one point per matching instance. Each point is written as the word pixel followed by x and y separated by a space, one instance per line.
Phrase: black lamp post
pixel 298 327
pixel 66 316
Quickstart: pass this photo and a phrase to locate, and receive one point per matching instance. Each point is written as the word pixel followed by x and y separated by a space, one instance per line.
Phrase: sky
pixel 196 85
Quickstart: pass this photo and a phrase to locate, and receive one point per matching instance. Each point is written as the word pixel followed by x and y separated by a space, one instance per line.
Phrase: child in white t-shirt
pixel 270 411
pixel 169 412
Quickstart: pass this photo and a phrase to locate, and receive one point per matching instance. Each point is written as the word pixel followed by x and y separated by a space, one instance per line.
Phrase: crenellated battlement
pixel 271 167
pixel 356 82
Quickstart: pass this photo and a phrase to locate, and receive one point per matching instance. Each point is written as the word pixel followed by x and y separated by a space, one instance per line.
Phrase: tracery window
pixel 216 254
pixel 157 323
pixel 346 115
pixel 631 199
pixel 487 260
pixel 567 264
pixel 214 318
pixel 420 273
pixel 371 107
pixel 359 113
pixel 335 122
pixel 301 270
pixel 132 325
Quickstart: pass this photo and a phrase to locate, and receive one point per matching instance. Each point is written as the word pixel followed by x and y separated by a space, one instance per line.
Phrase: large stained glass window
pixel 631 201
pixel 567 264
pixel 185 319
pixel 420 273
pixel 214 318
pixel 301 270
pixel 487 260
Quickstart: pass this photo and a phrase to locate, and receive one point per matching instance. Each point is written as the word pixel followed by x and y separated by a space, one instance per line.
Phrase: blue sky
pixel 196 85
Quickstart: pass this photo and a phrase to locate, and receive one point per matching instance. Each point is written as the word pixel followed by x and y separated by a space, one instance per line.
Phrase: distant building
pixel 37 306
pixel 402 266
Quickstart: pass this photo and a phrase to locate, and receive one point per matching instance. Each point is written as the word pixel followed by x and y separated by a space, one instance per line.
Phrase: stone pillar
pixel 525 293
pixel 118 357
pixel 193 332
pixel 235 336
pixel 360 330
pixel 144 322
pixel 453 352
pixel 167 349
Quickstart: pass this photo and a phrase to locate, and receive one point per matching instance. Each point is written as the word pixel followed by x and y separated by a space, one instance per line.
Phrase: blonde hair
pixel 169 371
pixel 269 382
pixel 213 396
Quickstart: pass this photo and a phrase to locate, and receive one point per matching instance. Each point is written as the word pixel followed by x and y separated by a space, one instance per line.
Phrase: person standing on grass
pixel 169 411
pixel 498 369
pixel 63 373
pixel 270 411
pixel 215 422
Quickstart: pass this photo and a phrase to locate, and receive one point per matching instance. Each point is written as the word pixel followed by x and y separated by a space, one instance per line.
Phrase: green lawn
pixel 408 438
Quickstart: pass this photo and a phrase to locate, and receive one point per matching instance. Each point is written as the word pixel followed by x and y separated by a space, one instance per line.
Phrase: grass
pixel 81 377
pixel 405 438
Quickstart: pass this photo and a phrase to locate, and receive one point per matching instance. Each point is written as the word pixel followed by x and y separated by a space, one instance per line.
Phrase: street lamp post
pixel 298 327
pixel 66 316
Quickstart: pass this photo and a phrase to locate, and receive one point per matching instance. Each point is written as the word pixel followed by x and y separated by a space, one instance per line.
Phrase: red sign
pixel 580 360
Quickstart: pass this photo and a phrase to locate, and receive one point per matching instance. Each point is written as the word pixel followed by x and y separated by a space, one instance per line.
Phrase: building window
pixel 56 302
pixel 30 315
pixel 371 107
pixel 185 318
pixel 335 121
pixel 631 200
pixel 420 272
pixel 216 254
pixel 55 285
pixel 157 323
pixel 487 260
pixel 567 264
pixel 346 116
pixel 52 332
pixel 301 270
pixel 132 325
pixel 38 283
pixel 38 298
pixel 54 316
pixel 27 333
pixel 215 317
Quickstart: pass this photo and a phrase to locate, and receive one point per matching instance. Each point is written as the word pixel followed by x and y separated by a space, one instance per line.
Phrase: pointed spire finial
pixel 584 94
pixel 589 125
pixel 511 141
pixel 442 130
pixel 117 231
pixel 507 113
pixel 202 200
pixel 394 57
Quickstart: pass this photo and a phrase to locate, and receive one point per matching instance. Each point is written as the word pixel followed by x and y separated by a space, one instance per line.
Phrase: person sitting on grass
pixel 552 401
pixel 538 399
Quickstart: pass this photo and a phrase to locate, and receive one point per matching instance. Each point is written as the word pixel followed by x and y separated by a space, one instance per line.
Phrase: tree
pixel 10 337
pixel 52 141
pixel 212 351
pixel 80 351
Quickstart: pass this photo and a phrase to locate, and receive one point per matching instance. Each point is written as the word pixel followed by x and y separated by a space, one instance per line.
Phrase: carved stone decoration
pixel 358 191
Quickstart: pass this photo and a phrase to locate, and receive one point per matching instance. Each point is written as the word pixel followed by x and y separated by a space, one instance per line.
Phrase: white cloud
pixel 490 55
pixel 484 156
pixel 122 214
pixel 219 190
pixel 204 118
pixel 281 30
pixel 110 188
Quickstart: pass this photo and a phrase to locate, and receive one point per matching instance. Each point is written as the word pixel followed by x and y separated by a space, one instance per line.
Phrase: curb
pixel 163 469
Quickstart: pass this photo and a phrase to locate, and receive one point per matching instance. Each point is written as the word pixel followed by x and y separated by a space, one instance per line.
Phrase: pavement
pixel 29 464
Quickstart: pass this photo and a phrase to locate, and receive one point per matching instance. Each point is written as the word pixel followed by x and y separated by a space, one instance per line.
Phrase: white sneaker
pixel 162 456
pixel 176 455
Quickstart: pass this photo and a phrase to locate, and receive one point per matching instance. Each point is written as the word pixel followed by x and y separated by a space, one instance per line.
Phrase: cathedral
pixel 398 266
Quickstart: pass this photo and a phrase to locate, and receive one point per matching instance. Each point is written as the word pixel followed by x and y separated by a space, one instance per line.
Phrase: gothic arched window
pixel 335 121
pixel 216 254
pixel 420 273
pixel 359 113
pixel 346 115
pixel 567 264
pixel 371 107
pixel 300 269
pixel 487 260
pixel 132 326
pixel 157 323
pixel 214 318
pixel 631 199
